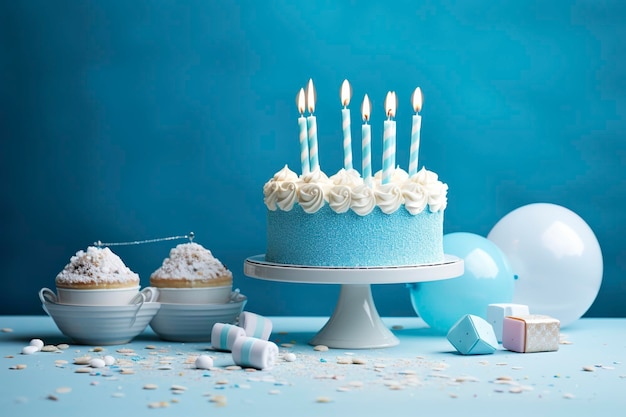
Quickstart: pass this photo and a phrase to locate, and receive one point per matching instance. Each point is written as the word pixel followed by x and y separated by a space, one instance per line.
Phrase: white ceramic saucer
pixel 194 322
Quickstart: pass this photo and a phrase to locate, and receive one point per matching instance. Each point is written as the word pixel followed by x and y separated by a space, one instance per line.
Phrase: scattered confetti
pixel 159 404
pixel 219 400
pixel 323 400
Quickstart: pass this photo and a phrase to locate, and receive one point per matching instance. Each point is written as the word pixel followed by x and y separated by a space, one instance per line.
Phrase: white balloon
pixel 556 257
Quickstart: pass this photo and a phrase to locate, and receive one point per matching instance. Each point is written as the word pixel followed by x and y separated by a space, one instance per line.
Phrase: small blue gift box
pixel 473 335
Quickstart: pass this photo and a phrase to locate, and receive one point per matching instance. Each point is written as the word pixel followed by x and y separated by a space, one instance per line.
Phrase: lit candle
pixel 304 141
pixel 312 127
pixel 366 142
pixel 417 98
pixel 389 138
pixel 346 94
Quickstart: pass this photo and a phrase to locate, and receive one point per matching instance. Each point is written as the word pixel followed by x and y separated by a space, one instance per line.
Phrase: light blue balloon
pixel 487 279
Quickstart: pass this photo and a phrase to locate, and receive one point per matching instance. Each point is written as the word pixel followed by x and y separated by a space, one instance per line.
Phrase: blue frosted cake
pixel 342 221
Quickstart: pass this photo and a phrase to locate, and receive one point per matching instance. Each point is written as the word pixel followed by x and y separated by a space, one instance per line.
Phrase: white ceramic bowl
pixel 104 297
pixel 194 322
pixel 209 295
pixel 101 325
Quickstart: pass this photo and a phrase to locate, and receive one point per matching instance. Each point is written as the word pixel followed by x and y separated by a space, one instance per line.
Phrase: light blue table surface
pixel 421 376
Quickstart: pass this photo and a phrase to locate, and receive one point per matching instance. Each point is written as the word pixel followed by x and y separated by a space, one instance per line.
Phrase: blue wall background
pixel 134 120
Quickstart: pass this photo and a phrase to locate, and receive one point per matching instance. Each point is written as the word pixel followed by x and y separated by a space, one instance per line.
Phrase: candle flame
pixel 310 96
pixel 391 102
pixel 346 93
pixel 418 99
pixel 301 101
pixel 366 108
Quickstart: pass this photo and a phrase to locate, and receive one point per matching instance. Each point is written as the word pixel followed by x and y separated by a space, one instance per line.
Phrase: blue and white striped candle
pixel 312 127
pixel 345 95
pixel 254 353
pixel 366 142
pixel 389 138
pixel 417 98
pixel 304 140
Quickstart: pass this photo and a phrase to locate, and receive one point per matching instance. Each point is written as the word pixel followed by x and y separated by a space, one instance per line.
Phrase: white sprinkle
pixel 18 367
pixel 7 330
pixel 343 360
pixel 83 370
pixel 588 368
pixel 82 360
pixel 97 363
pixel 109 360
pixel 63 390
pixel 286 345
pixel 321 348
pixel 218 400
pixel 290 357
pixel 49 348
pixel 204 362
pixel 568 395
pixel 274 392
pixel 178 388
pixel 150 386
pixel 29 350
pixel 516 390
pixel 118 395
pixel 159 404
pixel 37 342
pixel 323 400
pixel 233 368
pixel 63 346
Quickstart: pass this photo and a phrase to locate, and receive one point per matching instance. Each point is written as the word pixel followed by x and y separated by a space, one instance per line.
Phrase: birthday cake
pixel 346 220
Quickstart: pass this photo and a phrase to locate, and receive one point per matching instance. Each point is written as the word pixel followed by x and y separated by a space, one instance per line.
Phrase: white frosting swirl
pixel 435 190
pixel 363 200
pixel 287 195
pixel 415 197
pixel 350 178
pixel 346 190
pixel 388 197
pixel 272 189
pixel 311 197
pixel 339 198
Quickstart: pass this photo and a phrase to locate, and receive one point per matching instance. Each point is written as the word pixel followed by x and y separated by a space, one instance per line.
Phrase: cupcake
pixel 96 276
pixel 192 275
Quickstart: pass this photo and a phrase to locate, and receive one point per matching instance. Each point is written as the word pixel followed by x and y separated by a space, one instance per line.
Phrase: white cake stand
pixel 355 323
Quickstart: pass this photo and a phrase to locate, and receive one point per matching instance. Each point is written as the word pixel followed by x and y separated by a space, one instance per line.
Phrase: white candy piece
pixel 29 350
pixel 37 342
pixel 289 357
pixel 223 336
pixel 254 353
pixel 255 325
pixel 204 362
pixel 109 360
pixel 97 363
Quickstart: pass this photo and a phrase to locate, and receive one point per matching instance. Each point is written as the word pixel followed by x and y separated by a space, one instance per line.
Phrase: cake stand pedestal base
pixel 355 324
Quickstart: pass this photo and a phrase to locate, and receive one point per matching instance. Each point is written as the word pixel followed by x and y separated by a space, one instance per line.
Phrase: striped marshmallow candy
pixel 223 336
pixel 255 325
